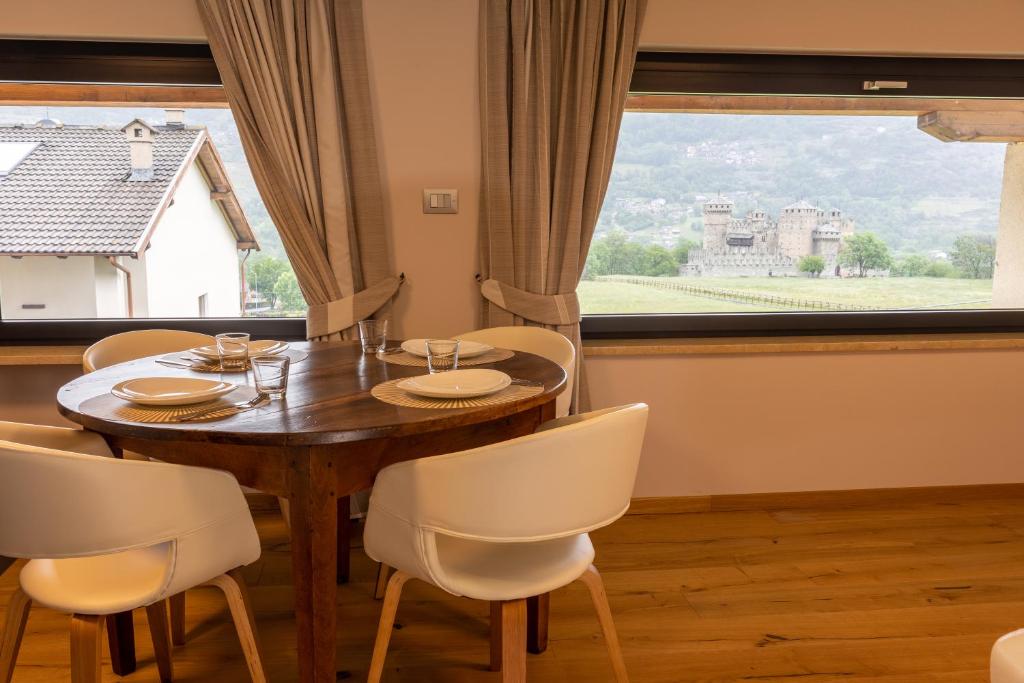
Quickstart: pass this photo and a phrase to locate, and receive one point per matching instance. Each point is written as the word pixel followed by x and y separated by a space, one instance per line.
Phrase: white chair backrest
pixel 56 504
pixel 126 346
pixel 536 340
pixel 561 481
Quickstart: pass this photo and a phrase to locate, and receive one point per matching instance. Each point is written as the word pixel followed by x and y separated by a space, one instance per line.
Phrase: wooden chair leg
pixel 14 629
pixel 158 631
pixel 495 664
pixel 177 605
pixel 387 622
pixel 233 586
pixel 592 579
pixel 382 581
pixel 86 631
pixel 511 639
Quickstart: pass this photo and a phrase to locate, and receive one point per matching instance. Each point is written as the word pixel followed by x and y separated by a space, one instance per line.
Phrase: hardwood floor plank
pixel 886 594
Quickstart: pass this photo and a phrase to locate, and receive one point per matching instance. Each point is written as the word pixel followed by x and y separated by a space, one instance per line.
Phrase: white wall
pixel 65 286
pixel 193 252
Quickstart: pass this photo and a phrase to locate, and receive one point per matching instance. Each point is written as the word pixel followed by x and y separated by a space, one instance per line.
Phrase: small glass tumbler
pixel 233 349
pixel 442 355
pixel 373 334
pixel 271 373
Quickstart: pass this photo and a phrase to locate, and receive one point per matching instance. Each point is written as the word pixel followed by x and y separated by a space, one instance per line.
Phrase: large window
pixel 140 212
pixel 828 205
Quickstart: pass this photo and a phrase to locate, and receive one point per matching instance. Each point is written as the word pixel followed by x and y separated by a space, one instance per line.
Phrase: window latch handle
pixel 885 85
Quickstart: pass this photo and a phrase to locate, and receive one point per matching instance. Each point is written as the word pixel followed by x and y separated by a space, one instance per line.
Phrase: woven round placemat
pixel 406 358
pixel 111 407
pixel 390 393
pixel 200 364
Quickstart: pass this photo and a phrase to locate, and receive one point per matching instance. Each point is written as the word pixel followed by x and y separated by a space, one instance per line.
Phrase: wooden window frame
pixel 88 73
pixel 824 85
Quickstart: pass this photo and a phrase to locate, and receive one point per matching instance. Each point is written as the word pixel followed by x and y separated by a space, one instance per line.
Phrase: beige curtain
pixel 554 78
pixel 296 78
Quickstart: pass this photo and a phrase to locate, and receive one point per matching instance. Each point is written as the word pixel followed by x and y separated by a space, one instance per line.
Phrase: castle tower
pixel 796 229
pixel 717 219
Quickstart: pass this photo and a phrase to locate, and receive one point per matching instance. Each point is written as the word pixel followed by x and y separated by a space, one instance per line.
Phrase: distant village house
pixel 97 222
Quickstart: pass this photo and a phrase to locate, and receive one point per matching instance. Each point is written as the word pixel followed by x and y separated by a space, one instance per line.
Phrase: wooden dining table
pixel 325 441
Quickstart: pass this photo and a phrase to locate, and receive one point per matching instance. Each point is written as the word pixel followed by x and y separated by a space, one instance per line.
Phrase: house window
pixel 756 194
pixel 136 215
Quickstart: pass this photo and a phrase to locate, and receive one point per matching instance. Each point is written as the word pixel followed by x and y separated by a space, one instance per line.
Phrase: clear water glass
pixel 233 349
pixel 271 373
pixel 442 355
pixel 373 334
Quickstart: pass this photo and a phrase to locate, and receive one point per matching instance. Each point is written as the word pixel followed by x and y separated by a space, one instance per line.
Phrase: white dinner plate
pixel 263 347
pixel 467 349
pixel 457 383
pixel 171 391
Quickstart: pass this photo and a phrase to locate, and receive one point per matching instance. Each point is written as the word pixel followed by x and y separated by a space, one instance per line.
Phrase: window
pixel 757 194
pixel 138 215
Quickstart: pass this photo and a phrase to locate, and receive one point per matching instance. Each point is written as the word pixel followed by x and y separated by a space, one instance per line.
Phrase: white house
pixel 97 222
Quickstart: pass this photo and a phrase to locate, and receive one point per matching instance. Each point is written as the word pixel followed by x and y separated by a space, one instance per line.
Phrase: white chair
pixel 119 348
pixel 105 535
pixel 539 341
pixel 507 522
pixel 1007 661
pixel 59 438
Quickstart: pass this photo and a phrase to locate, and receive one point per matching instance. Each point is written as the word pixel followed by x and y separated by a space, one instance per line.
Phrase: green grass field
pixel 880 293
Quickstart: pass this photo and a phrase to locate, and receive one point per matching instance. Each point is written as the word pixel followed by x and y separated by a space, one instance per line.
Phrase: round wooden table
pixel 326 440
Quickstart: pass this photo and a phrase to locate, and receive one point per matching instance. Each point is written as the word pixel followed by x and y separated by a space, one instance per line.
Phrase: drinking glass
pixel 271 373
pixel 442 355
pixel 373 334
pixel 233 349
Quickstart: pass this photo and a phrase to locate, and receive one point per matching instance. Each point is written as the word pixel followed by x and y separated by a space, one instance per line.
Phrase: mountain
pixel 915 192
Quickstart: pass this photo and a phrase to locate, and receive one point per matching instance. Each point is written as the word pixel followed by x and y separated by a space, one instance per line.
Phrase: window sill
pixel 810 344
pixel 41 355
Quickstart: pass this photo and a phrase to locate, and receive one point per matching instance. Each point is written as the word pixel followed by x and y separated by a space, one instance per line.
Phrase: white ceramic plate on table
pixel 467 349
pixel 171 391
pixel 263 347
pixel 457 383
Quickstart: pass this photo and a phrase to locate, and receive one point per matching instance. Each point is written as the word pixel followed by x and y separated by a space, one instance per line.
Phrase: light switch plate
pixel 440 201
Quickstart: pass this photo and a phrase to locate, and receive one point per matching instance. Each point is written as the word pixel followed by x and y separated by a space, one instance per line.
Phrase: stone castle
pixel 756 245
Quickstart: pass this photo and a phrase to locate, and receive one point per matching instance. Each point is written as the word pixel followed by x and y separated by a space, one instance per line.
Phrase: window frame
pixel 95 73
pixel 675 81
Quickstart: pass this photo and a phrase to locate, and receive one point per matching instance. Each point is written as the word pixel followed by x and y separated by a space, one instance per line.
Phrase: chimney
pixel 140 146
pixel 174 118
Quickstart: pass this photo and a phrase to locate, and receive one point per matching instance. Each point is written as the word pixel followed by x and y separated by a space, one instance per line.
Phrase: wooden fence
pixel 753 298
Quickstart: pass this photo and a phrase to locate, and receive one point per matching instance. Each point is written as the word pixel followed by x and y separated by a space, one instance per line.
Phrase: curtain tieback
pixel 341 314
pixel 550 309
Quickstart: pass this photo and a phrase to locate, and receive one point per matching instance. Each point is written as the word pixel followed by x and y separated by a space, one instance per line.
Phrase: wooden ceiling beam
pixel 973 126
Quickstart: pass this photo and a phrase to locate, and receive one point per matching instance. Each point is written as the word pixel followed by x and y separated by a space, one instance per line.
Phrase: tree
pixel 941 269
pixel 865 251
pixel 614 254
pixel 288 294
pixel 682 250
pixel 811 264
pixel 974 256
pixel 914 265
pixel 264 272
pixel 658 261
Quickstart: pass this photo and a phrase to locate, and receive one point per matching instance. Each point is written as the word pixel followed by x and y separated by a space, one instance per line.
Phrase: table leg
pixel 121 640
pixel 314 511
pixel 344 538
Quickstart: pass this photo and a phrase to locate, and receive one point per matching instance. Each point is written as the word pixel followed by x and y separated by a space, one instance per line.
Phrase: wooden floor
pixel 895 593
